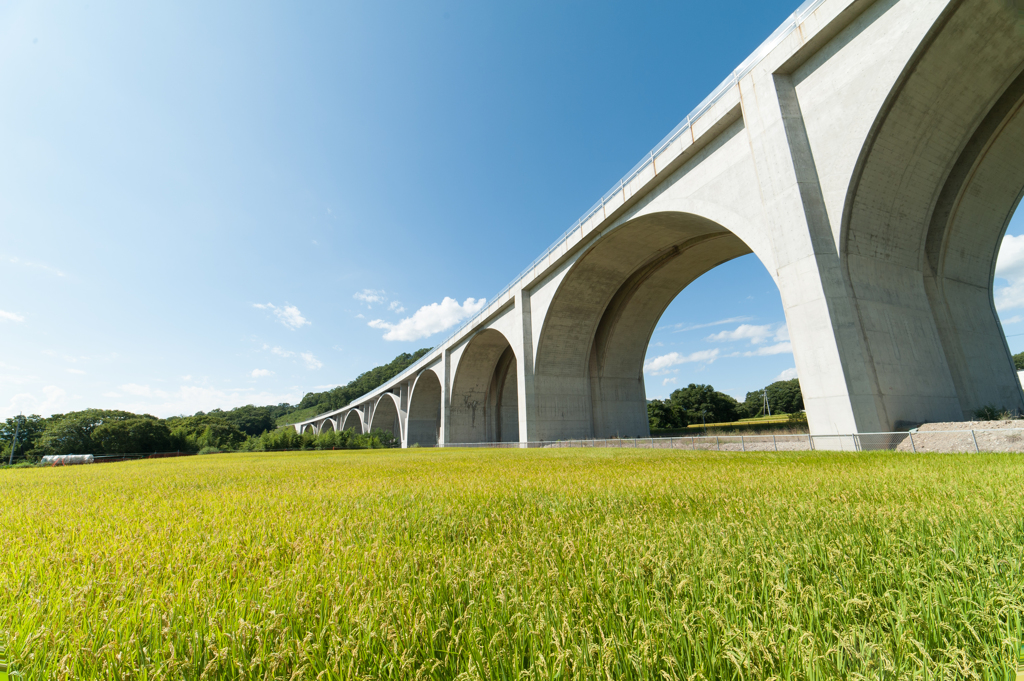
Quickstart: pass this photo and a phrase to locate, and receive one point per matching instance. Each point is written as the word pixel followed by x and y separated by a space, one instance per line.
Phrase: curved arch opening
pixel 425 410
pixel 354 422
pixel 485 392
pixel 598 327
pixel 385 416
pixel 925 217
pixel 326 424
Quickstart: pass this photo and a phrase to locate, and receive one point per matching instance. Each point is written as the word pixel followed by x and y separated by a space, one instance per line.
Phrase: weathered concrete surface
pixel 871 160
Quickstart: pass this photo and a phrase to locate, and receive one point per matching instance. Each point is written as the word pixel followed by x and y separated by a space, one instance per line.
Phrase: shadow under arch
pixel 589 367
pixel 353 421
pixel 485 392
pixel 325 425
pixel 424 421
pixel 385 415
pixel 931 197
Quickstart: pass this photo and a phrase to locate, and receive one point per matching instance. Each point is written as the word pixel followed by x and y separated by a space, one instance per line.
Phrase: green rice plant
pixel 526 564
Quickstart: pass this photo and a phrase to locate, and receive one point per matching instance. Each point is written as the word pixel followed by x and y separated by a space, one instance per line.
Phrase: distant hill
pixel 316 403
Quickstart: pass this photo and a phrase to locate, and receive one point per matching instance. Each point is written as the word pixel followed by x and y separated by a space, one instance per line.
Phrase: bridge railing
pixel 748 64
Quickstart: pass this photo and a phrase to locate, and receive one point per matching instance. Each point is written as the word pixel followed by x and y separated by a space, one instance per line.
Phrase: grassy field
pixel 500 564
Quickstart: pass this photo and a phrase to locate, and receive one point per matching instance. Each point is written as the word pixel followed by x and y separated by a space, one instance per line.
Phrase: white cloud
pixel 755 334
pixel 673 358
pixel 257 373
pixel 10 316
pixel 52 401
pixel 76 371
pixel 370 296
pixel 1010 266
pixel 288 315
pixel 396 306
pixel 311 361
pixel 786 375
pixel 429 319
pixel 777 349
pixel 671 379
pixel 360 316
pixel 782 334
pixel 679 328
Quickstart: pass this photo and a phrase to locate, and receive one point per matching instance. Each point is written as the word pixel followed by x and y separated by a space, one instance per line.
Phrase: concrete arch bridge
pixel 870 153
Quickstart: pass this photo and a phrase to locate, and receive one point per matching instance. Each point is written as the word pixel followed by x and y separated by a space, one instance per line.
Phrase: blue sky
pixel 209 204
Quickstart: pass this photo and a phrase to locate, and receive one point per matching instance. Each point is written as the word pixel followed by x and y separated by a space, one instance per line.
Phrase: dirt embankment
pixel 991 436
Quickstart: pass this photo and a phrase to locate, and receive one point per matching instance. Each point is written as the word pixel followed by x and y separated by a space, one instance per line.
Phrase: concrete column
pixel 446 391
pixel 837 380
pixel 524 369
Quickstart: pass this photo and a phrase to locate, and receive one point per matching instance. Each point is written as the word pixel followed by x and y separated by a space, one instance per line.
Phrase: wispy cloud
pixel 288 315
pixel 311 361
pixel 258 373
pixel 673 358
pixel 279 351
pixel 429 319
pixel 10 316
pixel 38 265
pixel 370 296
pixel 777 349
pixel 396 306
pixel 670 380
pixel 679 328
pixel 76 371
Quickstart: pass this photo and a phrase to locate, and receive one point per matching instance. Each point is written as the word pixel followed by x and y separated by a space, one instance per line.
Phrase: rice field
pixel 526 564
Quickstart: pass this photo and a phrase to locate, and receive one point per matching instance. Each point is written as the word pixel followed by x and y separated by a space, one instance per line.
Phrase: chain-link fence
pixel 951 441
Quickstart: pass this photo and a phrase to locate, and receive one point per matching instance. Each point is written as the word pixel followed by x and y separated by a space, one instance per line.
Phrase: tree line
pixel 115 432
pixel 699 403
pixel 252 428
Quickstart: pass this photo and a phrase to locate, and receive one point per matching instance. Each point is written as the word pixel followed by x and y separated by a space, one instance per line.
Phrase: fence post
pixel 693 444
pixel 743 444
pixel 719 443
pixel 975 438
pixel 810 442
pixel 775 442
pixel 912 442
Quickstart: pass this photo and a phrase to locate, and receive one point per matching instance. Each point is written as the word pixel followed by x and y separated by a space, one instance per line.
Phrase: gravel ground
pixel 992 436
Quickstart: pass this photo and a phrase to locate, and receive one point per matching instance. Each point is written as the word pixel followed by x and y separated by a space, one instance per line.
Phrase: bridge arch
pixel 353 421
pixel 424 421
pixel 325 425
pixel 385 415
pixel 590 355
pixel 485 393
pixel 933 192
pixel 306 428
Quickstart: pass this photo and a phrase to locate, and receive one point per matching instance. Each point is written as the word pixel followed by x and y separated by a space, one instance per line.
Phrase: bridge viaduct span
pixel 870 153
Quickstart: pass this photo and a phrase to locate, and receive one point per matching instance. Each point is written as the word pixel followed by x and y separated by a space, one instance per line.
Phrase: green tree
pixel 29 428
pixel 131 436
pixel 72 433
pixel 666 414
pixel 204 430
pixel 784 397
pixel 697 399
pixel 1018 361
pixel 250 419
